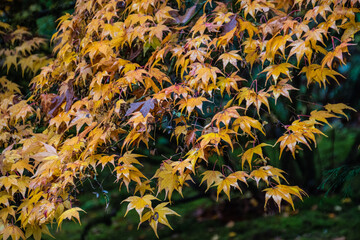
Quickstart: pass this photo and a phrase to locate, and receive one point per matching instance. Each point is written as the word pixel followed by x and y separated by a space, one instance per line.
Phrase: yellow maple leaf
pixel 13 231
pixel 168 180
pixel 225 184
pixel 248 154
pixel 321 116
pixel 225 117
pixel 280 192
pixel 143 187
pixel 276 70
pixel 214 138
pixel 299 48
pixel 316 73
pixel 338 108
pixel 228 82
pixel 191 103
pixel 230 57
pixel 158 215
pixel 246 123
pixel 69 214
pixel 282 88
pixel 336 53
pixel 139 203
pixel 212 178
pixel 252 97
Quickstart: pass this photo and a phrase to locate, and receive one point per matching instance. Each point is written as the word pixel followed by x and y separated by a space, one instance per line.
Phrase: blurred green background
pixel 330 173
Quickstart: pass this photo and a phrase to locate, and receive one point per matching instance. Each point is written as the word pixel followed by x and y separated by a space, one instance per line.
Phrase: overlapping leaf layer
pixel 206 73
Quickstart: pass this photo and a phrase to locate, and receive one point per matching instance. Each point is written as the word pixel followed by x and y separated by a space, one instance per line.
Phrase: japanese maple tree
pixel 206 74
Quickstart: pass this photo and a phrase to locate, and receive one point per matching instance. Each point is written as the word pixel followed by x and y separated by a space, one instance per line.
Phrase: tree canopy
pixel 206 75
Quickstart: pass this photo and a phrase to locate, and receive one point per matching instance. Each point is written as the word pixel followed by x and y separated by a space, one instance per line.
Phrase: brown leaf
pixel 190 137
pixel 46 100
pixel 148 105
pixel 184 18
pixel 55 104
pixel 145 107
pixel 69 95
pixel 230 25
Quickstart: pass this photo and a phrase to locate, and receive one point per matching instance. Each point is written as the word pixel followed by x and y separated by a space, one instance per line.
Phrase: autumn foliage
pixel 206 75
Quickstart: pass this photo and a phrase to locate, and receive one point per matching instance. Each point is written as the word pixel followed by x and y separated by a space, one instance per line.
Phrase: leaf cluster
pixel 126 70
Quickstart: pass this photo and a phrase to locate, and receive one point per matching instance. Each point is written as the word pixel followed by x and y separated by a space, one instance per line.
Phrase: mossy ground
pixel 315 218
